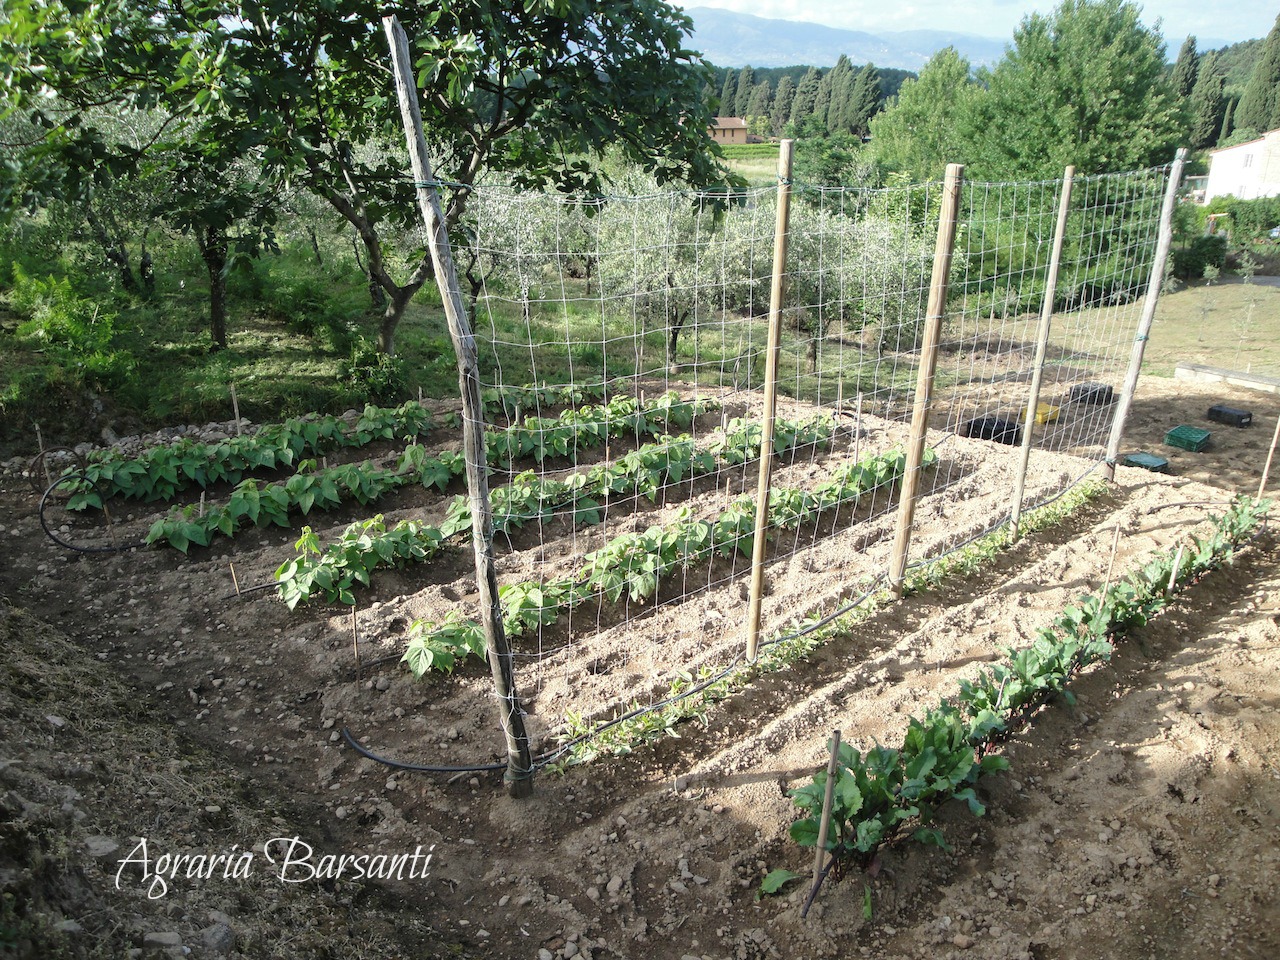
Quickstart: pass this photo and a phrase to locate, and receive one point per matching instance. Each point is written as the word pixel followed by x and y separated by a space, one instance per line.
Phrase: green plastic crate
pixel 1147 461
pixel 1187 438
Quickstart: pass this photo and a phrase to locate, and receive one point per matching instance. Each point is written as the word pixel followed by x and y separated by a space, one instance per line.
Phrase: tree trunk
pixel 391 317
pixel 213 250
pixel 677 324
pixel 113 247
pixel 315 245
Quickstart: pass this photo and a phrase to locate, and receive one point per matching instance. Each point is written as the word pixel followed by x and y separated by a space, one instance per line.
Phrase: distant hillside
pixel 737 39
pixel 1237 61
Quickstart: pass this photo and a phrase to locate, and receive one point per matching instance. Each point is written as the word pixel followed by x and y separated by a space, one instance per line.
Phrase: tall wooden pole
pixel 943 250
pixel 1266 469
pixel 1042 345
pixel 519 774
pixel 780 238
pixel 1163 243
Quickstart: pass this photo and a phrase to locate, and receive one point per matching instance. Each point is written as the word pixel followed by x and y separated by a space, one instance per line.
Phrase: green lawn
pixel 1233 325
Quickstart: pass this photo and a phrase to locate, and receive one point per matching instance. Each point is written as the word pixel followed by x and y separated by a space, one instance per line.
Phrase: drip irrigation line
pixel 44 524
pixel 243 590
pixel 364 751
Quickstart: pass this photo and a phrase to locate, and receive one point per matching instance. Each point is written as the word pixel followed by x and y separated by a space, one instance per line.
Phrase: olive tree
pixel 537 89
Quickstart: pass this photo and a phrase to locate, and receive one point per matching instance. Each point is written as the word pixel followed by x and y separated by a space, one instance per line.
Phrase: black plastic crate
pixel 1232 416
pixel 1091 393
pixel 992 428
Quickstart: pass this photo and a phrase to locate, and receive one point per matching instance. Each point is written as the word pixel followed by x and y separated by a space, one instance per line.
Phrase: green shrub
pixel 73 330
pixel 1190 262
pixel 371 375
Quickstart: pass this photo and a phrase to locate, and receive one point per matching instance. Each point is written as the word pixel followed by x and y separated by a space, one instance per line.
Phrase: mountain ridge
pixel 729 39
pixel 736 40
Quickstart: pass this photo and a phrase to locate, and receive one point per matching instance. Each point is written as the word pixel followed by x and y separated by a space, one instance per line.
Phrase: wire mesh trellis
pixel 621 347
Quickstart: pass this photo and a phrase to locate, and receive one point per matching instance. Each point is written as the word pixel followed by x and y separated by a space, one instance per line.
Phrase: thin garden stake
pixel 824 823
pixel 770 397
pixel 519 773
pixel 355 641
pixel 1115 546
pixel 1163 243
pixel 235 581
pixel 1042 344
pixel 1173 574
pixel 235 407
pixel 1266 469
pixel 942 254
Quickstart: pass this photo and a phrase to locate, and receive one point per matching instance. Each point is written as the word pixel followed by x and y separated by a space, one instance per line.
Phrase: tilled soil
pixel 143 699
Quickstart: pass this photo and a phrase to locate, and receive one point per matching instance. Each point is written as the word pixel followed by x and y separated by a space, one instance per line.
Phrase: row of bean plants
pixel 691 696
pixel 162 472
pixel 634 564
pixel 511 401
pixel 365 546
pixel 253 505
pixel 879 794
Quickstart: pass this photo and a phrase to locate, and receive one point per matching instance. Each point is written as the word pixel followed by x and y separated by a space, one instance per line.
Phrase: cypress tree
pixel 1208 103
pixel 822 102
pixel 728 92
pixel 842 78
pixel 865 100
pixel 1186 69
pixel 1228 119
pixel 761 101
pixel 1259 106
pixel 806 96
pixel 782 101
pixel 746 82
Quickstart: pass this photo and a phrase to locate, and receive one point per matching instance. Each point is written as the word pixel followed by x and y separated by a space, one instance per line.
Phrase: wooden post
pixel 235 407
pixel 519 773
pixel 770 397
pixel 1042 343
pixel 942 253
pixel 1163 243
pixel 1266 469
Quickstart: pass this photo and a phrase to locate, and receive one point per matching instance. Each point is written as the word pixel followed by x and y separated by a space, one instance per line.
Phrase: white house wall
pixel 1247 170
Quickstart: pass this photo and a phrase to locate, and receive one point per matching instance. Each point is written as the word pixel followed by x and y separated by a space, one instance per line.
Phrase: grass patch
pixel 1229 325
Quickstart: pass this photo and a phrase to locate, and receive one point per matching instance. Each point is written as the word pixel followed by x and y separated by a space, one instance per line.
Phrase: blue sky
pixel 1229 22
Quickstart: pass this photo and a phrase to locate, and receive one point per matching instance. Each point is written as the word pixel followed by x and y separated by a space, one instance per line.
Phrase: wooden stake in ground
pixel 1111 566
pixel 942 253
pixel 235 581
pixel 1266 469
pixel 355 641
pixel 235 408
pixel 1173 574
pixel 519 774
pixel 1042 345
pixel 1163 242
pixel 770 398
pixel 824 823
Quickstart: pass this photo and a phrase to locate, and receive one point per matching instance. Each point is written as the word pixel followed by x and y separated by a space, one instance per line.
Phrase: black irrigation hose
pixel 44 524
pixel 544 759
pixel 364 751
